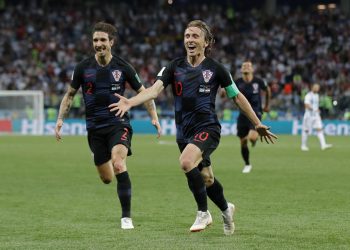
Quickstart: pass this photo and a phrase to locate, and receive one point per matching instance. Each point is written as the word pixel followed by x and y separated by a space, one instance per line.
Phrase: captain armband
pixel 232 90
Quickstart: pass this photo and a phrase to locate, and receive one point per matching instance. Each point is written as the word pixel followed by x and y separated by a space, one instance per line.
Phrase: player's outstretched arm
pixel 66 103
pixel 126 104
pixel 246 108
pixel 152 111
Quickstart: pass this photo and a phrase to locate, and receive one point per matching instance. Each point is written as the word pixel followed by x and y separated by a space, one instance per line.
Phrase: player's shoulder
pixel 86 61
pixel 117 60
pixel 215 63
pixel 178 61
pixel 239 80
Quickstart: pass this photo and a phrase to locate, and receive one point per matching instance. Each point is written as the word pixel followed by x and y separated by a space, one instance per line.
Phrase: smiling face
pixel 194 41
pixel 102 44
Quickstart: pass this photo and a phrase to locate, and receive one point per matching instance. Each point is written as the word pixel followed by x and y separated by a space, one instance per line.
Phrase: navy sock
pixel 197 186
pixel 124 192
pixel 216 193
pixel 245 154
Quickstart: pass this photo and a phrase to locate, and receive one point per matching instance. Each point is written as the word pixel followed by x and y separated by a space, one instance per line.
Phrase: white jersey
pixel 312 117
pixel 312 100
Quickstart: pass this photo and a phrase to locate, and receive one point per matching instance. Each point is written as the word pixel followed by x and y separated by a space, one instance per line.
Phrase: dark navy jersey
pixel 194 90
pixel 99 85
pixel 252 91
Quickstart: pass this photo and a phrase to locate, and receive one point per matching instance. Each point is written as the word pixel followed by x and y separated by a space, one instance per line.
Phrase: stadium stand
pixel 41 41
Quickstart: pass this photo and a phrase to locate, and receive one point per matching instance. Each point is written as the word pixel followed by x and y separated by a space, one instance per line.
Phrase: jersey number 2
pixel 178 88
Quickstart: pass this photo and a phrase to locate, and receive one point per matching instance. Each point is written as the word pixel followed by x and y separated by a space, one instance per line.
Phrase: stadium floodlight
pixel 21 112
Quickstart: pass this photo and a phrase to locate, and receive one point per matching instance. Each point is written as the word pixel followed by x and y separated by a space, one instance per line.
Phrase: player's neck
pixel 194 61
pixel 103 60
pixel 248 78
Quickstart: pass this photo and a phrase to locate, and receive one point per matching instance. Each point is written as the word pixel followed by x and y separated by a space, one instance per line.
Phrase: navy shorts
pixel 101 141
pixel 244 125
pixel 207 140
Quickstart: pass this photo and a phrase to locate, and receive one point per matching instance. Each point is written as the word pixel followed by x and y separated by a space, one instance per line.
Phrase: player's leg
pixel 245 155
pixel 317 124
pixel 120 143
pixel 306 129
pixel 105 172
pixel 101 155
pixel 119 155
pixel 215 192
pixel 189 160
pixel 253 136
pixel 243 129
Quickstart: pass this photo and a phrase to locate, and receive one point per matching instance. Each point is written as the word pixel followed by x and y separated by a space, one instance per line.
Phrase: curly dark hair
pixel 107 28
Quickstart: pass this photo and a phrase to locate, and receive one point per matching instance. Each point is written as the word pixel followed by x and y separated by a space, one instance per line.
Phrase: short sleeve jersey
pixel 311 99
pixel 194 90
pixel 252 91
pixel 99 84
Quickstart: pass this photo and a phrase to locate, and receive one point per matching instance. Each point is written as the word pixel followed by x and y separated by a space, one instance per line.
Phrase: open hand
pixel 265 133
pixel 58 127
pixel 156 124
pixel 120 107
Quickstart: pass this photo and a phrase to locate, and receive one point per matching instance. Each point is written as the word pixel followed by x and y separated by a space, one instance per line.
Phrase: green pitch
pixel 52 198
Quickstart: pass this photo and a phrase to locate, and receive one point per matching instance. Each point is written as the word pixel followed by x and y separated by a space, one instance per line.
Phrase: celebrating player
pixel 251 87
pixel 195 80
pixel 100 77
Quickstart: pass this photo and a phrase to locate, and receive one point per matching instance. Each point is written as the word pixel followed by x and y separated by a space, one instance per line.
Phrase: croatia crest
pixel 207 74
pixel 116 74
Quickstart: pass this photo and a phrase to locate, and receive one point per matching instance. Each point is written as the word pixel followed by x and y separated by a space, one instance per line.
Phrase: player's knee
pixel 244 142
pixel 208 179
pixel 253 140
pixel 118 167
pixel 186 164
pixel 106 180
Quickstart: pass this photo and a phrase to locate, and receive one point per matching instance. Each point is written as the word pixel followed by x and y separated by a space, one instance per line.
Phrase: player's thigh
pixel 98 146
pixel 317 123
pixel 190 157
pixel 243 129
pixel 207 140
pixel 307 123
pixel 120 135
pixel 106 172
pixel 253 135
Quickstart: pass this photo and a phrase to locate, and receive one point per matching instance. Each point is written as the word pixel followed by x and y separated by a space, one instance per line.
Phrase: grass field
pixel 52 198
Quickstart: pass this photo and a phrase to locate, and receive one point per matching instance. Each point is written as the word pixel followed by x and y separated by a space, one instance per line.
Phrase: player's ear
pixel 111 42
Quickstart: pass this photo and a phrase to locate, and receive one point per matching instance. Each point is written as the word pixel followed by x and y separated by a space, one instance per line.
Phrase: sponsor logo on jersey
pixel 207 74
pixel 116 75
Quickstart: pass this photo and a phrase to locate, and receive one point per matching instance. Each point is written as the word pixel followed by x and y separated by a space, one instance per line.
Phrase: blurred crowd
pixel 42 41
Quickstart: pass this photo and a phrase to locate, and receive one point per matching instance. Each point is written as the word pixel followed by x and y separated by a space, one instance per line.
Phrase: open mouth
pixel 191 48
pixel 100 49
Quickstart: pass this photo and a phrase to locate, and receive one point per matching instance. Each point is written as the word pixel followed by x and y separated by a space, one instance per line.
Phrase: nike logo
pixel 88 75
pixel 178 73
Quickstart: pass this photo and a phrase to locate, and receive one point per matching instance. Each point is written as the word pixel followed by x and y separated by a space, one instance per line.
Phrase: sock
pixel 197 186
pixel 303 138
pixel 321 138
pixel 124 192
pixel 245 154
pixel 216 193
